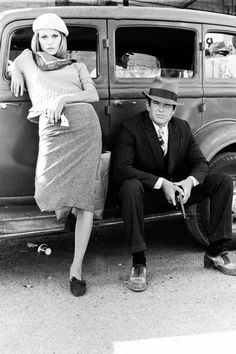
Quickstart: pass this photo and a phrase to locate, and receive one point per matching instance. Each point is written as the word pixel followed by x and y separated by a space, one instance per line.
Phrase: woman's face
pixel 49 41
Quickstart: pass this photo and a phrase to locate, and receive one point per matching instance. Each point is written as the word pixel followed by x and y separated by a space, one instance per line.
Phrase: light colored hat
pixel 50 21
pixel 164 91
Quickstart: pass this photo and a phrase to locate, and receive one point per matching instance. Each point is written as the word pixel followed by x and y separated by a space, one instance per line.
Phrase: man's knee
pixel 221 179
pixel 131 188
pixel 227 181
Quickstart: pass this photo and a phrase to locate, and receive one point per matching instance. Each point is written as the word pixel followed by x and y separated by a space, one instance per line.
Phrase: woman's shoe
pixel 77 287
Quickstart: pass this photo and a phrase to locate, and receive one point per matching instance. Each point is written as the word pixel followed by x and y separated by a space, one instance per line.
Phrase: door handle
pixel 4 105
pixel 202 107
pixel 119 103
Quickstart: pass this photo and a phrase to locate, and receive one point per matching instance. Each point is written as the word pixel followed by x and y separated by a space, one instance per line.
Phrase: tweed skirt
pixel 67 160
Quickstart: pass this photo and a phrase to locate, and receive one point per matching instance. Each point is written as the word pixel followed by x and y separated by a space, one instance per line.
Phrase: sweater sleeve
pixel 84 75
pixel 22 61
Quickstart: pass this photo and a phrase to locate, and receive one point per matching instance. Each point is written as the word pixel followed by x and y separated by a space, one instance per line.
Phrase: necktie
pixel 160 135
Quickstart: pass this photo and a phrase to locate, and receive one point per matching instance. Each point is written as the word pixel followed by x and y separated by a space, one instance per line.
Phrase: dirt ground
pixel 186 308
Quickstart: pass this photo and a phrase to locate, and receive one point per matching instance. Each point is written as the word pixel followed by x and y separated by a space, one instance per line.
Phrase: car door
pixel 18 136
pixel 155 49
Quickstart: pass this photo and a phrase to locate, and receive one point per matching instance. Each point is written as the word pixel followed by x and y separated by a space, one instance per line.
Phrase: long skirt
pixel 67 160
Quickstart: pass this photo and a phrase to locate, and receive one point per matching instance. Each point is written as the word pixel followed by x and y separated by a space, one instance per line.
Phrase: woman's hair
pixel 62 51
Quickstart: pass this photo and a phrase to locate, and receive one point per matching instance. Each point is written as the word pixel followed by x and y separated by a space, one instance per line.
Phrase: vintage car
pixel 196 48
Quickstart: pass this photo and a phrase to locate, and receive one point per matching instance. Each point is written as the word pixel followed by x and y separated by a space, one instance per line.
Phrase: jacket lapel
pixel 153 140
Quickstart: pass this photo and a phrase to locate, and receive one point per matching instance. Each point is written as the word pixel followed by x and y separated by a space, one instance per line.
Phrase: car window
pixel 20 40
pixel 83 46
pixel 81 42
pixel 147 52
pixel 220 56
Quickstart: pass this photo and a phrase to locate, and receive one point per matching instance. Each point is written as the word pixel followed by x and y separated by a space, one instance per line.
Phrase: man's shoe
pixel 138 278
pixel 221 262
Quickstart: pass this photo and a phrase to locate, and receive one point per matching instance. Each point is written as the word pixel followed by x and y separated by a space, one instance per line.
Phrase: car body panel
pixel 209 104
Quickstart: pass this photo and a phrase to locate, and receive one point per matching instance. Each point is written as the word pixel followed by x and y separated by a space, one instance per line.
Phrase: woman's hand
pixel 17 82
pixel 54 111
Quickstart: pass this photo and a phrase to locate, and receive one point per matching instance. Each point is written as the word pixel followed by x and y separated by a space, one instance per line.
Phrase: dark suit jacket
pixel 138 153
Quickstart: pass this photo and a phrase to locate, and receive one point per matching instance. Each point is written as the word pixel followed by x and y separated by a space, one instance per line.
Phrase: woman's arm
pixel 89 94
pixel 17 81
pixel 16 72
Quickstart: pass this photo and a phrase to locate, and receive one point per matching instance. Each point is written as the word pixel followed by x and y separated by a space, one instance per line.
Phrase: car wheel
pixel 224 162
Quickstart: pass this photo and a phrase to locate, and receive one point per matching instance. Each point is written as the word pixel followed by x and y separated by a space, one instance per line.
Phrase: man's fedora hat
pixel 164 91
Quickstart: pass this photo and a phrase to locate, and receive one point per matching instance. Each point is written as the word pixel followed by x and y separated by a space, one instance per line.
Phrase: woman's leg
pixel 83 227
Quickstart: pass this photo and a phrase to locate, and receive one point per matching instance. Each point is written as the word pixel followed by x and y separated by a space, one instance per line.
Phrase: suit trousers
pixel 134 200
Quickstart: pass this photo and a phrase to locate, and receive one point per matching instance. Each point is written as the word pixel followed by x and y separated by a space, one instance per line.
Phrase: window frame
pixel 205 59
pixel 8 35
pixel 216 30
pixel 115 25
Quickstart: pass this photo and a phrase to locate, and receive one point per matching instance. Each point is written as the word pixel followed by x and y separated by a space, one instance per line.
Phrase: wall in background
pixel 222 6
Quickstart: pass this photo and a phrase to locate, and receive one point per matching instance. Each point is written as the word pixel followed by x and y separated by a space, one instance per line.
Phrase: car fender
pixel 215 136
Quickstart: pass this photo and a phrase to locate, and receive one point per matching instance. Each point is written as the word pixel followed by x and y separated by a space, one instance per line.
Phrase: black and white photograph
pixel 118 176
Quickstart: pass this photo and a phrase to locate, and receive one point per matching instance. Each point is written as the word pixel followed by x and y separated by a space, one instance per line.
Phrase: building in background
pixel 222 6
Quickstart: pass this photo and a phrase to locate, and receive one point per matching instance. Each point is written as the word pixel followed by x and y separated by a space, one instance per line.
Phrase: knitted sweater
pixel 44 86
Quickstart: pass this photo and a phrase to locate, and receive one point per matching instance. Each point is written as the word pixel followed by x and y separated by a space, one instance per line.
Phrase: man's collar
pixel 165 128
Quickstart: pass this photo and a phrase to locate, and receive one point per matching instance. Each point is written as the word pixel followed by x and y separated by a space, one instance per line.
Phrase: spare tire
pixel 224 162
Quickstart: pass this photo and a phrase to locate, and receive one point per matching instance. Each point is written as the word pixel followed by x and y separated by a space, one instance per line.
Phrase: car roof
pixel 121 12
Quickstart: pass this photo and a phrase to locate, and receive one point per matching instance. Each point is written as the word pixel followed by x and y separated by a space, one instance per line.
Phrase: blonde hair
pixel 62 51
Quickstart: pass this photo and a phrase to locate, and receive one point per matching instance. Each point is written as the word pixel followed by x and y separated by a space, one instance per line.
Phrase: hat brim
pixel 162 99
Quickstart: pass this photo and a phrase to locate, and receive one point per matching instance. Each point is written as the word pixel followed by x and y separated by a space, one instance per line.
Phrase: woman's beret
pixel 50 21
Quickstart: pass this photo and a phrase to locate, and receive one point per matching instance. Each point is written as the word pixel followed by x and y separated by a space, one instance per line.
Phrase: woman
pixel 69 131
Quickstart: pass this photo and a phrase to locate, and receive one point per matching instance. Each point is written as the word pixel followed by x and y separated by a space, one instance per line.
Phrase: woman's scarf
pixel 47 62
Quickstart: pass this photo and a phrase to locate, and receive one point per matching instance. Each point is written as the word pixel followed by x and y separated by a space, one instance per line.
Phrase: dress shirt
pixel 159 182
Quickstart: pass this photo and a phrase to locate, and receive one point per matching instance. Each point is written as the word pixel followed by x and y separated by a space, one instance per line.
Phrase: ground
pixel 186 308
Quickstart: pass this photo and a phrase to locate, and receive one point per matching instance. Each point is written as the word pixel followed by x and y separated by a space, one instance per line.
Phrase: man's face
pixel 160 113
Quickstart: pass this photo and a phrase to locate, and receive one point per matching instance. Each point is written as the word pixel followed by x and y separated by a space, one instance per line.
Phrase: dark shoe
pixel 77 287
pixel 221 262
pixel 138 278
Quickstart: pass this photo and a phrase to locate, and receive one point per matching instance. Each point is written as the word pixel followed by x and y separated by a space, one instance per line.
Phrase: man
pixel 157 158
pixel 123 59
pixel 122 65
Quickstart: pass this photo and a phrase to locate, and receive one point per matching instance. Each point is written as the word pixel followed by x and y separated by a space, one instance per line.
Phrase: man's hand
pixel 17 82
pixel 186 186
pixel 169 188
